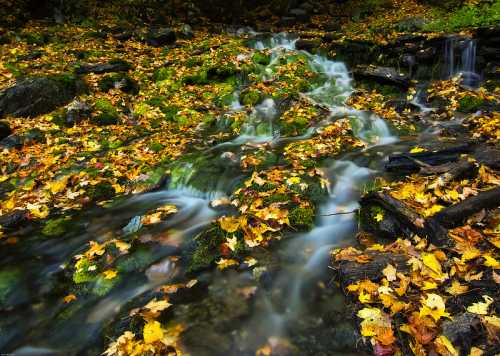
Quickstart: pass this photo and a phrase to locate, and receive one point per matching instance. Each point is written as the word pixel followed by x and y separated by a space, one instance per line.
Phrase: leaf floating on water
pixel 69 298
pixel 110 274
pixel 133 226
pixel 153 332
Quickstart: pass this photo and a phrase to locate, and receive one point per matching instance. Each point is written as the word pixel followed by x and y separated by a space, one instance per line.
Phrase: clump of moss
pixel 10 278
pixel 261 58
pixel 470 103
pixel 302 218
pixel 83 271
pixel 251 97
pixel 163 74
pixel 56 227
pixel 107 114
pixel 155 146
pixel 206 250
pixel 101 191
pixel 139 259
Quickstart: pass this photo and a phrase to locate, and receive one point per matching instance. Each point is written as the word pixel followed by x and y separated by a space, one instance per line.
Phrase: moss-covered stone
pixel 163 74
pixel 106 113
pixel 251 97
pixel 302 218
pixel 206 248
pixel 118 80
pixel 56 227
pixel 10 281
pixel 84 271
pixel 100 191
pixel 469 103
pixel 136 260
pixel 261 58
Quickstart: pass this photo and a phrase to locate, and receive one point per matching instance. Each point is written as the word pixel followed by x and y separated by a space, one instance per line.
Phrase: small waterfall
pixel 460 58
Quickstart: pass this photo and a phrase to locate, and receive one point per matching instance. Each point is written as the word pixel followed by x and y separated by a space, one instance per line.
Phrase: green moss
pixel 301 218
pixel 107 114
pixel 15 70
pixel 469 103
pixel 206 250
pixel 82 273
pixel 163 74
pixel 200 77
pixel 56 227
pixel 155 146
pixel 261 58
pixel 10 279
pixel 135 261
pixel 251 97
pixel 276 198
pixel 101 191
pixel 103 286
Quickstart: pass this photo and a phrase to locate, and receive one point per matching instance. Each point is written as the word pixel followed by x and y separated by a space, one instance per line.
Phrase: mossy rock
pixel 118 80
pixel 56 227
pixel 261 58
pixel 101 191
pixel 200 78
pixel 163 74
pixel 251 97
pixel 107 114
pixel 206 248
pixel 137 260
pixel 103 286
pixel 156 146
pixel 82 273
pixel 302 218
pixel 12 290
pixel 470 103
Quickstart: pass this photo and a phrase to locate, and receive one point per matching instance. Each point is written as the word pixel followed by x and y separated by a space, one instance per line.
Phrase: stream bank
pixel 229 164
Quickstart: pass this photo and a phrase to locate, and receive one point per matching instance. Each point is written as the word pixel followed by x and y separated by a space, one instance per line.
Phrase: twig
pixel 342 213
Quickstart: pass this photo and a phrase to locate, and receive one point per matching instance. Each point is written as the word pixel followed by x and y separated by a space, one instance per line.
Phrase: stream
pixel 296 308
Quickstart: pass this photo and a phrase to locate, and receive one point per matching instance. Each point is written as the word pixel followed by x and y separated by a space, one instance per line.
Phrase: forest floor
pixel 98 115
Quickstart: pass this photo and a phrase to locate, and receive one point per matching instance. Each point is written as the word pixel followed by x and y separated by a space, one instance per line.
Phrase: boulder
pixel 307 45
pixel 100 68
pixel 76 111
pixel 12 141
pixel 382 75
pixel 411 24
pixel 4 130
pixel 300 14
pixel 186 32
pixel 39 95
pixel 160 37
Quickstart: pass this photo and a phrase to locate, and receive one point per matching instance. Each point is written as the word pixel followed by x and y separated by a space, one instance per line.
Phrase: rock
pixel 160 37
pixel 5 130
pixel 186 32
pixel 76 111
pixel 382 75
pixel 12 141
pixel 300 14
pixel 307 45
pixel 13 219
pixel 287 21
pixel 30 56
pixel 411 24
pixel 100 68
pixel 40 95
pixel 123 36
pixel 426 54
pixel 119 81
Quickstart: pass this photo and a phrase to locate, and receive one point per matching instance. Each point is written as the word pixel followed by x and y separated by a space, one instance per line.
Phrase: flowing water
pixel 460 57
pixel 295 298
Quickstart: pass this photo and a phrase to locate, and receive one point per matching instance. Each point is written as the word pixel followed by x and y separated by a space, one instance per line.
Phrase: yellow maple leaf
pixel 456 288
pixel 379 217
pixel 157 305
pixel 390 273
pixel 481 308
pixel 38 210
pixel 229 224
pixel 110 274
pixel 58 185
pixel 417 149
pixel 433 306
pixel 445 347
pixel 225 263
pixel 490 261
pixel 293 180
pixel 69 298
pixel 153 332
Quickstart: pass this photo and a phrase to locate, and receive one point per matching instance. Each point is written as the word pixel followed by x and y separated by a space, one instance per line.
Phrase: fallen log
pixel 349 272
pixel 413 162
pixel 455 215
pixel 404 220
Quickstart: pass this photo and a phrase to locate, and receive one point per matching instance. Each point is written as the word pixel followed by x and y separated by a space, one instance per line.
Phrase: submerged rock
pixel 35 96
pixel 5 130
